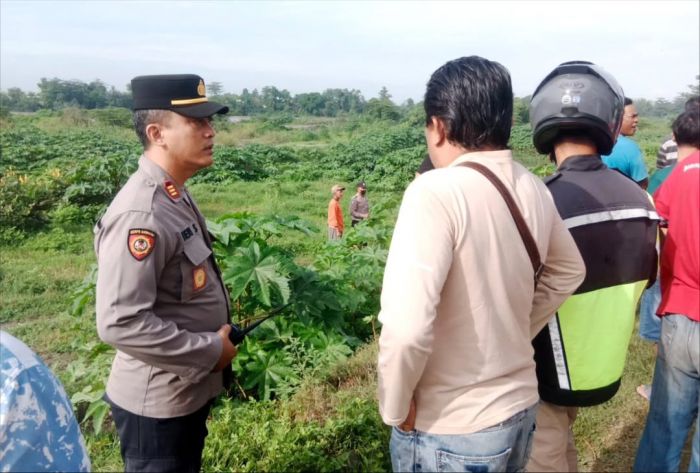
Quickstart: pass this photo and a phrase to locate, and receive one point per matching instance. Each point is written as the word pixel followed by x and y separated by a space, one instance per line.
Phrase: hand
pixel 228 350
pixel 410 422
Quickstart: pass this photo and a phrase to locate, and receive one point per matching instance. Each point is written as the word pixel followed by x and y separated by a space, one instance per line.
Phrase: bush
pixel 251 163
pixel 331 424
pixel 359 158
pixel 26 198
pixel 113 116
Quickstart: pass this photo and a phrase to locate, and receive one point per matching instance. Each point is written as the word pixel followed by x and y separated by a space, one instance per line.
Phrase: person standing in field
pixel 161 301
pixel 575 113
pixel 626 156
pixel 649 322
pixel 461 298
pixel 675 392
pixel 335 214
pixel 359 206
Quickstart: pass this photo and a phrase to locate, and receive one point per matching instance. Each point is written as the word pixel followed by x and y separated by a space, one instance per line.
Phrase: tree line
pixel 56 94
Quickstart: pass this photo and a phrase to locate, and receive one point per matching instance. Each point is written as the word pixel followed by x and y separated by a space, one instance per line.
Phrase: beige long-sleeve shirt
pixel 458 306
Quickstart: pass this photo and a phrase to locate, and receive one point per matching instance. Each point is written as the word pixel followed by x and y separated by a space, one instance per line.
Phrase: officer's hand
pixel 228 350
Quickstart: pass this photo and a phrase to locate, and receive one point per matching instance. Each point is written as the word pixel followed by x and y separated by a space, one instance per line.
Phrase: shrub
pixel 113 116
pixel 26 198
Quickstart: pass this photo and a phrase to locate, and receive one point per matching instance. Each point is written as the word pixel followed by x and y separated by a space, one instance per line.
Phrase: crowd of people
pixel 508 302
pixel 479 369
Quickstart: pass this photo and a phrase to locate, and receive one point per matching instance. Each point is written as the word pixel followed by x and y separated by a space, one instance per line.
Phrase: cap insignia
pixel 201 90
pixel 172 190
pixel 141 243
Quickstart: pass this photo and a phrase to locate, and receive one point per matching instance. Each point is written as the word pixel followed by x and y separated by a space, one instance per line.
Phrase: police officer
pixel 161 301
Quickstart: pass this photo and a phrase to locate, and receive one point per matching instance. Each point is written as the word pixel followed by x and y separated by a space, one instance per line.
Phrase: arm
pixel 339 217
pixel 419 260
pixel 332 218
pixel 126 294
pixel 638 168
pixel 564 271
pixel 354 213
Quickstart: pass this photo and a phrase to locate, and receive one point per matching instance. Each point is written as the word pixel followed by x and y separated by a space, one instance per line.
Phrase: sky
pixel 651 47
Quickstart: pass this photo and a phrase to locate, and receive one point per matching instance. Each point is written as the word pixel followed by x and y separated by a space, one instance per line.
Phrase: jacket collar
pixel 584 162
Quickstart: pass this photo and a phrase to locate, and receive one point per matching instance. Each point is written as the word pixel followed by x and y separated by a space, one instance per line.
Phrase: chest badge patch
pixel 199 278
pixel 172 190
pixel 141 243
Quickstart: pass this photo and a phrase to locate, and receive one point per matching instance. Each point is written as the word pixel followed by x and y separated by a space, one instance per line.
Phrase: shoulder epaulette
pixel 172 190
pixel 551 178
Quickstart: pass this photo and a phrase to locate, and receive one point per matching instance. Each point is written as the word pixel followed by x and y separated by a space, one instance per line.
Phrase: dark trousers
pixel 161 445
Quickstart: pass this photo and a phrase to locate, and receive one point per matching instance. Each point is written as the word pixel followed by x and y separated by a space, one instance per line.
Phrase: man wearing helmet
pixel 576 113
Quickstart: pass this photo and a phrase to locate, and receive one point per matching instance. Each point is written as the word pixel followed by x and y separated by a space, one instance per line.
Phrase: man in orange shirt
pixel 335 215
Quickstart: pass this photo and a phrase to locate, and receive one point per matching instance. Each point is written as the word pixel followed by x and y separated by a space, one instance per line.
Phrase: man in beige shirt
pixel 160 298
pixel 458 307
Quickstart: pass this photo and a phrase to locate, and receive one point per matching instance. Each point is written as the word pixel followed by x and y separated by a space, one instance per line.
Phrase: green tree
pixel 384 94
pixel 521 110
pixel 312 103
pixel 275 100
pixel 215 88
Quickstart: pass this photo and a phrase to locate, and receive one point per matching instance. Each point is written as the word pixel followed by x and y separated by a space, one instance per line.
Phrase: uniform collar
pixel 497 156
pixel 583 162
pixel 160 177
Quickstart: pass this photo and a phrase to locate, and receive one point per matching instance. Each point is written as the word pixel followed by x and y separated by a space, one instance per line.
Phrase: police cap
pixel 182 93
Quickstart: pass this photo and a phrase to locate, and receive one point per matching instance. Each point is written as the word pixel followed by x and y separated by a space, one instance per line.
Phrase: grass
pixel 333 414
pixel 36 284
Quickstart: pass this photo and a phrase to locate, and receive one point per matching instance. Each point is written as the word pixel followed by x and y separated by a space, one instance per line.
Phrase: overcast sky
pixel 651 47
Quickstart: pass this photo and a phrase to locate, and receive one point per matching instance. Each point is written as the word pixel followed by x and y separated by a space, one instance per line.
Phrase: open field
pixel 326 418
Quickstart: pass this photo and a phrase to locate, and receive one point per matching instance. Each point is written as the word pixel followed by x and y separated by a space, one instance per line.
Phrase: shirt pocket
pixel 194 268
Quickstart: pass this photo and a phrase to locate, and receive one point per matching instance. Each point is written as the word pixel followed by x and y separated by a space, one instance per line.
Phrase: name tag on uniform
pixel 188 232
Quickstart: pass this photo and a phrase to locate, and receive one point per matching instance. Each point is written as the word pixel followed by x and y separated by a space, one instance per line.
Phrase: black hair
pixel 686 128
pixel 143 118
pixel 426 165
pixel 628 101
pixel 692 102
pixel 474 98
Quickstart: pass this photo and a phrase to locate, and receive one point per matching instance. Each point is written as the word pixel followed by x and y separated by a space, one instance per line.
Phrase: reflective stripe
pixel 188 101
pixel 558 352
pixel 610 215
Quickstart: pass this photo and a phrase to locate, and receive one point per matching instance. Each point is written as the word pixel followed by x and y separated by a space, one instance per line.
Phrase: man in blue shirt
pixel 626 156
pixel 38 431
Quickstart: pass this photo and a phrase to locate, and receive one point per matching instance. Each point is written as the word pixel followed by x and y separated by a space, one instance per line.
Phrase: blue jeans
pixel 674 399
pixel 649 322
pixel 503 447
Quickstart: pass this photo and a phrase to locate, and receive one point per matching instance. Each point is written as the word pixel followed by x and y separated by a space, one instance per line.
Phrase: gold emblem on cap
pixel 201 90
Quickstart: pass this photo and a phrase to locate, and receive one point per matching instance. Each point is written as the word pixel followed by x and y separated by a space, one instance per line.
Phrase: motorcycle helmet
pixel 577 96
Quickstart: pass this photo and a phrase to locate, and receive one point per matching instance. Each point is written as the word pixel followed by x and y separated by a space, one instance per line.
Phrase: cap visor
pixel 201 110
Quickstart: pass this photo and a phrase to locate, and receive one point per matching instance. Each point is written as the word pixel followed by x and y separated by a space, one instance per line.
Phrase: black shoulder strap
pixel 524 231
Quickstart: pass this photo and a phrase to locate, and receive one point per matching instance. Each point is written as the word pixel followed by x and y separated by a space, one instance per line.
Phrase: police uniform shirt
pixel 160 299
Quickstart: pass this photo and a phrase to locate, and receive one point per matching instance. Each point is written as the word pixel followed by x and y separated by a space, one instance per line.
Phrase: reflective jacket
pixel 581 353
